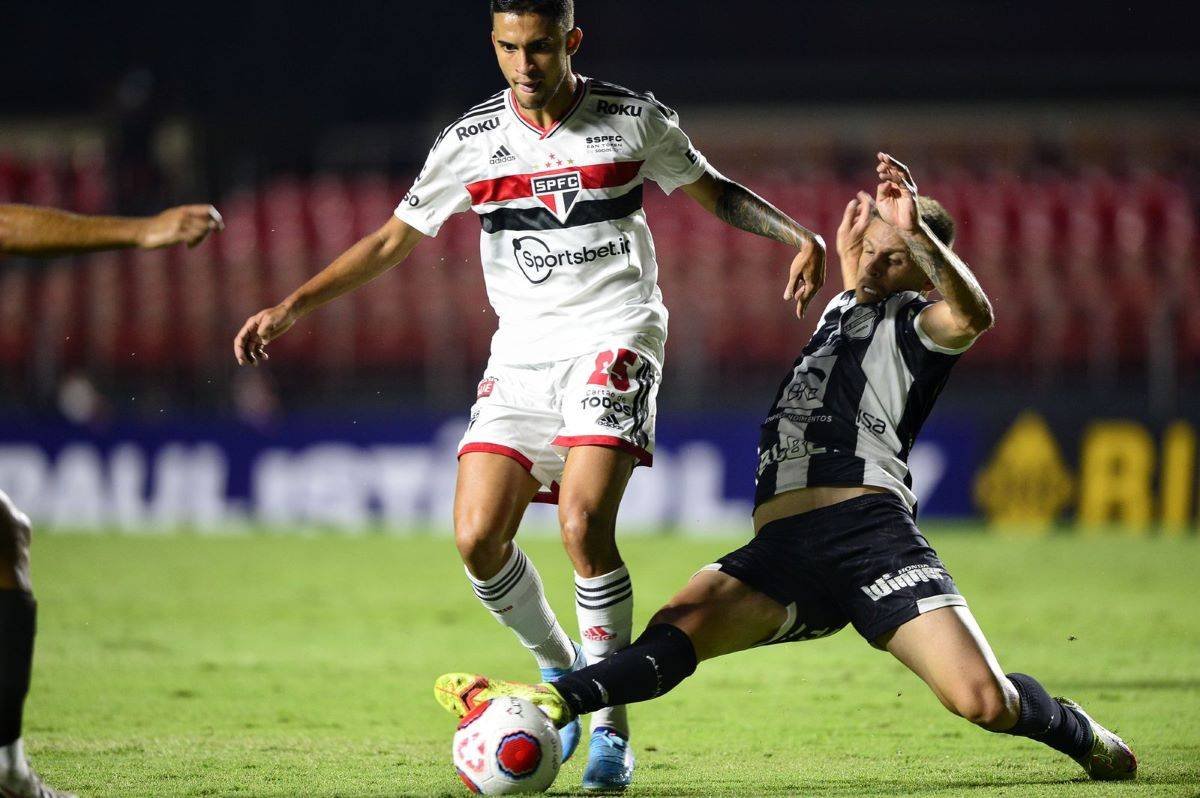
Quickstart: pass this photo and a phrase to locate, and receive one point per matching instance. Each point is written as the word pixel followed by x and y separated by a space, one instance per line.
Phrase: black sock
pixel 18 613
pixel 1047 721
pixel 649 667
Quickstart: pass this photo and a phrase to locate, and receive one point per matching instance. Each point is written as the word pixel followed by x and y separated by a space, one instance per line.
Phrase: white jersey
pixel 567 257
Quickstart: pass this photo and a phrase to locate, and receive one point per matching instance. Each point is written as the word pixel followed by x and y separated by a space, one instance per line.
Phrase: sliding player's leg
pixel 713 615
pixel 491 497
pixel 947 649
pixel 18 612
pixel 593 483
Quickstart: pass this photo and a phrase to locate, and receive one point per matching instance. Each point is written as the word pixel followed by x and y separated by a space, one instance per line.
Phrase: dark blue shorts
pixel 861 561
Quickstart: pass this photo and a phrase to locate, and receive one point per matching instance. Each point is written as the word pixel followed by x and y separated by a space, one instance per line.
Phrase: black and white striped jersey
pixel 855 399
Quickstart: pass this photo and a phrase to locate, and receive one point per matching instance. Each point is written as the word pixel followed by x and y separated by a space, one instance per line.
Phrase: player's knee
pixel 576 524
pixel 587 534
pixel 985 703
pixel 480 544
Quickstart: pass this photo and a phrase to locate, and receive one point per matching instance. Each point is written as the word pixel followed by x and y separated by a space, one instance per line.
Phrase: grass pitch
pixel 285 666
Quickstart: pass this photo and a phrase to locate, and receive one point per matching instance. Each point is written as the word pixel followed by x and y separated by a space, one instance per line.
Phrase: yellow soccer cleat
pixel 461 693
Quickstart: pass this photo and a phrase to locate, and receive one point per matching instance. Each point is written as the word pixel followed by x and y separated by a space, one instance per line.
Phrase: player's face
pixel 535 56
pixel 885 266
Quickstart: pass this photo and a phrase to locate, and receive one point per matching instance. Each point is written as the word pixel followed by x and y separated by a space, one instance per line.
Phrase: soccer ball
pixel 506 746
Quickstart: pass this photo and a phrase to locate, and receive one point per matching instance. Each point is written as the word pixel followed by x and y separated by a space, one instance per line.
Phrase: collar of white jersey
pixel 546 132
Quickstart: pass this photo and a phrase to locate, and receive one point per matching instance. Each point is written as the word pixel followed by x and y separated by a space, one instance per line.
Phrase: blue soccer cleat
pixel 570 733
pixel 610 762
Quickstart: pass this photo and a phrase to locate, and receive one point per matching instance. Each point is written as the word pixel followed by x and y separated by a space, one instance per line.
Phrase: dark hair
pixel 938 218
pixel 560 11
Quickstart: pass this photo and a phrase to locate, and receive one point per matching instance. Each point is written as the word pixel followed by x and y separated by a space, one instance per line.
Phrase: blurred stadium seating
pixel 1089 269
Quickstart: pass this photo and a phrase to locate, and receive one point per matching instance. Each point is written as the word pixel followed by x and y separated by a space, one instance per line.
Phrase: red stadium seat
pixel 1080 268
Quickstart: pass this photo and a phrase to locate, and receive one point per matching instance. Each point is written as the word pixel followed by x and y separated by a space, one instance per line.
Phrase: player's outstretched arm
pixel 740 207
pixel 44 232
pixel 370 257
pixel 966 311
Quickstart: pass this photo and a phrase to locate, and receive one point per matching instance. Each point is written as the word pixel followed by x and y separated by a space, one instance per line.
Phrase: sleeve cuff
pixel 418 223
pixel 932 345
pixel 695 174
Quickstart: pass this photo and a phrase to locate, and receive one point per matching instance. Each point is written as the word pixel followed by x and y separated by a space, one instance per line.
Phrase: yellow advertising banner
pixel 1126 479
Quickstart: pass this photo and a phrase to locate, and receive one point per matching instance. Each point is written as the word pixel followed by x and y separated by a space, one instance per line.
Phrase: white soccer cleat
pixel 28 785
pixel 1110 759
pixel 18 779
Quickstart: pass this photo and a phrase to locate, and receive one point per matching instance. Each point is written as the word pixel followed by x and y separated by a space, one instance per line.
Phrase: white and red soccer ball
pixel 506 746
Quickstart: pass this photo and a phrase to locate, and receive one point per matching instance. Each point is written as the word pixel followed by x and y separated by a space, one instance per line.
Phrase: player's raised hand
pixel 186 224
pixel 806 274
pixel 852 229
pixel 250 345
pixel 896 194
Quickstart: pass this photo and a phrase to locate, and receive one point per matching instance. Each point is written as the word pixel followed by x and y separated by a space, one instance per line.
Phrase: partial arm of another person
pixel 965 312
pixel 364 261
pixel 45 232
pixel 740 207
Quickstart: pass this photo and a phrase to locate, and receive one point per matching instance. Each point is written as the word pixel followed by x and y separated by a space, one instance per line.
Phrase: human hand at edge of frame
pixel 896 195
pixel 185 224
pixel 853 227
pixel 250 344
pixel 806 275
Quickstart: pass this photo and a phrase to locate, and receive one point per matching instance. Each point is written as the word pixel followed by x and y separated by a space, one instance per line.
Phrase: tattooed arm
pixel 966 311
pixel 740 207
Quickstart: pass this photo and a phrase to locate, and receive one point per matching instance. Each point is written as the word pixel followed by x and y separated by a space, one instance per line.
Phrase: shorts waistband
pixel 833 510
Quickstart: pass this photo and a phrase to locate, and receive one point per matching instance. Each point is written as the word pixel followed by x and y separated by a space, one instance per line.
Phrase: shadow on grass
pixel 1133 684
pixel 865 786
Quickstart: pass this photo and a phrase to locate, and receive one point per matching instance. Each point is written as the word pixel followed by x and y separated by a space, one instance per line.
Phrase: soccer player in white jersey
pixel 31 231
pixel 836 540
pixel 553 166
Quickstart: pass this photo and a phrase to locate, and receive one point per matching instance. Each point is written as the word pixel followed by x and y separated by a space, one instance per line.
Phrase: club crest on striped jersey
pixel 859 322
pixel 557 192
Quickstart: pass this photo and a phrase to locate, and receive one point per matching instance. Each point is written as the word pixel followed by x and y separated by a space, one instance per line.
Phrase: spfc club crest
pixel 558 192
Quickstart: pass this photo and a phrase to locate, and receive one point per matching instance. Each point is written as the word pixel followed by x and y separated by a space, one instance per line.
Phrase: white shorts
pixel 534 414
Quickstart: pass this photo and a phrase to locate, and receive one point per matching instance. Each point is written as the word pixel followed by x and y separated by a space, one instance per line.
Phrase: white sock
pixel 516 598
pixel 604 605
pixel 13 766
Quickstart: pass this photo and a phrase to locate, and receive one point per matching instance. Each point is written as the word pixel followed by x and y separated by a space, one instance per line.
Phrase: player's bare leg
pixel 17 622
pixel 721 615
pixel 947 649
pixel 491 497
pixel 594 480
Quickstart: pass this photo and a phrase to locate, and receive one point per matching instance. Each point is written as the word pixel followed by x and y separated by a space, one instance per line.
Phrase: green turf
pixel 283 666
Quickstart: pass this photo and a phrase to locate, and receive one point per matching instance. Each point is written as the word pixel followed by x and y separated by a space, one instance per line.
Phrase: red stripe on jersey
pixel 510 187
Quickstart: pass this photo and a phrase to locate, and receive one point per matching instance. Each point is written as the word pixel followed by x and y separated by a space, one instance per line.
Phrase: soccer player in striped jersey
pixel 553 166
pixel 42 232
pixel 836 540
